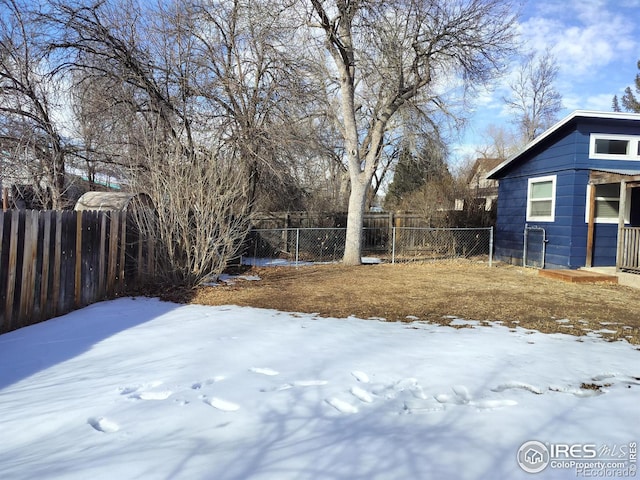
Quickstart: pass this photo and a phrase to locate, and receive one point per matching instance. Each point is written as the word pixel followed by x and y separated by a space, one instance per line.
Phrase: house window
pixel 606 146
pixel 541 199
pixel 614 147
pixel 607 203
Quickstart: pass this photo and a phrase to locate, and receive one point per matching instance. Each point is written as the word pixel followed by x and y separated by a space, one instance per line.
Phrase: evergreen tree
pixel 630 102
pixel 415 169
pixel 407 178
pixel 615 104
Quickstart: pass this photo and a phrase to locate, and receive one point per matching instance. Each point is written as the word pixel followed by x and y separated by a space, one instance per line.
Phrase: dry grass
pixel 431 292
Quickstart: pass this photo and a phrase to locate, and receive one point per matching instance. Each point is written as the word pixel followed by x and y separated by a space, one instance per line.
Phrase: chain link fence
pixel 394 245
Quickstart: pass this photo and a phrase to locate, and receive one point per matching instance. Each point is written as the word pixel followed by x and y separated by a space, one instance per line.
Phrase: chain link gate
pixel 535 244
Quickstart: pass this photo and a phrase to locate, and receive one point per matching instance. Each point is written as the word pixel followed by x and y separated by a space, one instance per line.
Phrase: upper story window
pixel 541 199
pixel 614 147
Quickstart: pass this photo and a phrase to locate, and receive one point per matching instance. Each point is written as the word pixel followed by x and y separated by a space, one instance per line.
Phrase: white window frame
pixel 542 218
pixel 587 211
pixel 633 146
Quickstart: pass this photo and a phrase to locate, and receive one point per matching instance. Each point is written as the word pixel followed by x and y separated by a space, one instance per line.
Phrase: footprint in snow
pixel 413 406
pixel 427 404
pixel 360 376
pixel 491 404
pixel 444 398
pixel 136 388
pixel 460 396
pixel 128 390
pixel 103 425
pixel 341 405
pixel 299 383
pixel 409 383
pixel 391 391
pixel 520 385
pixel 264 371
pixel 152 395
pixel 462 393
pixel 578 392
pixel 309 383
pixel 222 405
pixel 208 381
pixel 361 394
pixel 279 388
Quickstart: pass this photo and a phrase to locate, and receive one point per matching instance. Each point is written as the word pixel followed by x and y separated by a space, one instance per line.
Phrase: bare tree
pixel 251 85
pixel 433 201
pixel 390 55
pixel 30 110
pixel 192 93
pixel 534 99
pixel 201 213
pixel 501 142
pixel 110 48
pixel 188 69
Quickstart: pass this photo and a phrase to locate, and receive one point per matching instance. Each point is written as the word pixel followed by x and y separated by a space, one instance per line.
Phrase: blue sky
pixel 596 44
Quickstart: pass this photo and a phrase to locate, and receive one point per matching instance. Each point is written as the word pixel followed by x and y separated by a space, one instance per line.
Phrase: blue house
pixel 571 197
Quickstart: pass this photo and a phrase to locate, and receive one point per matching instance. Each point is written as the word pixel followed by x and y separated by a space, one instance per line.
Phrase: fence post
pixel 102 253
pixel 123 247
pixel 29 263
pixel 57 264
pixel 11 274
pixel 78 265
pixel 2 215
pixel 390 232
pixel 297 245
pixel 490 247
pixel 46 262
pixel 112 268
pixel 285 232
pixel 393 245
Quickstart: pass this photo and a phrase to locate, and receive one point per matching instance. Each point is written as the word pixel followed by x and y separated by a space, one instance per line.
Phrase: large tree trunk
pixel 385 54
pixel 355 220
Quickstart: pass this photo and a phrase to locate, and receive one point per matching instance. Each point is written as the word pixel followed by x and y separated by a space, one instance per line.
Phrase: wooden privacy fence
pixel 377 220
pixel 56 261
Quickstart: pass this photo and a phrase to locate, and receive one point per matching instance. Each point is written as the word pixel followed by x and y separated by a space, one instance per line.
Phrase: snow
pixel 272 262
pixel 283 262
pixel 144 389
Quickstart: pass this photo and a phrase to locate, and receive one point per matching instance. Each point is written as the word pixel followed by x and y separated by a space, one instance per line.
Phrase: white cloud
pixel 596 44
pixel 584 35
pixel 600 101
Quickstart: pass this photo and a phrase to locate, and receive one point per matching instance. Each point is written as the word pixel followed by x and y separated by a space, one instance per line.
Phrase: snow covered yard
pixel 143 389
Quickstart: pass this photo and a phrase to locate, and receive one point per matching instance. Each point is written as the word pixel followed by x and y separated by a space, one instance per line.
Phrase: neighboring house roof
pixel 111 200
pixel 494 174
pixel 482 166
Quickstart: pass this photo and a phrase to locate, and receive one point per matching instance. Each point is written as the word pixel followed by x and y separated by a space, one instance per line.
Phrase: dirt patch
pixel 435 292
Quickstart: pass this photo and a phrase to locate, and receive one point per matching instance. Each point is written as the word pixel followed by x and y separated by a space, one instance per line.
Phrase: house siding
pixel 566 155
pixel 559 159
